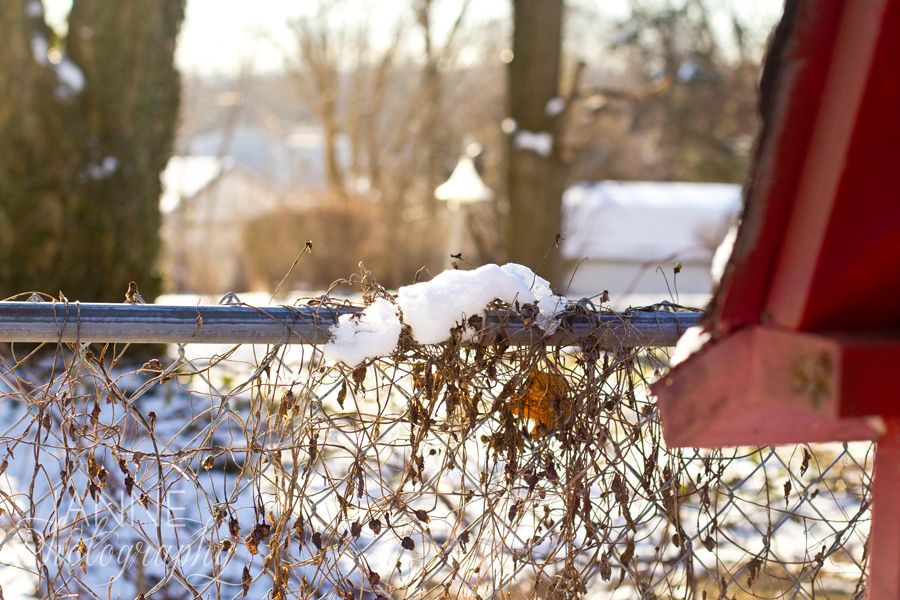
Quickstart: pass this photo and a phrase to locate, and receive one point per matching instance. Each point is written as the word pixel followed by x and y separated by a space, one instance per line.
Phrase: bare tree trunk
pixel 535 179
pixel 318 72
pixel 333 171
pixel 431 93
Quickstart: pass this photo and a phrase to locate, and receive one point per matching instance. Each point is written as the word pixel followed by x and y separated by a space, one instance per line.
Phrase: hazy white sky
pixel 223 35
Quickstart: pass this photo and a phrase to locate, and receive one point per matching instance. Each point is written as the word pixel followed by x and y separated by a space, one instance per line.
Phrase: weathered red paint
pixel 830 168
pixel 856 282
pixel 763 385
pixel 806 321
pixel 790 121
pixel 869 386
pixel 818 244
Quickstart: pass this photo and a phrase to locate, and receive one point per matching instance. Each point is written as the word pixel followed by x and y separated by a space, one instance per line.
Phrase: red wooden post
pixel 884 540
pixel 805 327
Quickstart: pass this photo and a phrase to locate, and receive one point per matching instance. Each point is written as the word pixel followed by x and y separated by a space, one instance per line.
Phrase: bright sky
pixel 221 36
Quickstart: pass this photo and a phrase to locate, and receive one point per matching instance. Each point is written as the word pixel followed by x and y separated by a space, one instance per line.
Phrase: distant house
pixel 294 158
pixel 205 204
pixel 626 237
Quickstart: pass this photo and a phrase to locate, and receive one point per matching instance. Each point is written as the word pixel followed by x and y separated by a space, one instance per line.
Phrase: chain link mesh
pixel 440 472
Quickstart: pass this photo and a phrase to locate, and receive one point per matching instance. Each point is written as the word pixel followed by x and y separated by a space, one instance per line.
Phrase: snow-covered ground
pixel 204 423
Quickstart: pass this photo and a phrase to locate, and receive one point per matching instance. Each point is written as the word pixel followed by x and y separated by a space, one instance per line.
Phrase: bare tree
pixel 369 80
pixel 320 46
pixel 436 56
pixel 388 106
pixel 679 102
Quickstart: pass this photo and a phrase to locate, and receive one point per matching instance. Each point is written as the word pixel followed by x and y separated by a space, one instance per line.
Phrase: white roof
pixel 184 176
pixel 645 220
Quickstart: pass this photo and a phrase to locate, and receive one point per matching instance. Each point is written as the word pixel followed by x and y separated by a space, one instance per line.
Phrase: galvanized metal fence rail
pixel 243 324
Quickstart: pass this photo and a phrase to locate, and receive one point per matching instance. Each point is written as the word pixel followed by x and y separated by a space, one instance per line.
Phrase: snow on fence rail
pixel 500 463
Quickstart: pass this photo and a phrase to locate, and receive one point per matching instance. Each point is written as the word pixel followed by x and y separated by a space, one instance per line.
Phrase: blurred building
pixel 626 237
pixel 205 205
pixel 294 158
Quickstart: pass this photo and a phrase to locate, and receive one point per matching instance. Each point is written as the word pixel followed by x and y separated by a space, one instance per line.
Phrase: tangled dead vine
pixel 446 471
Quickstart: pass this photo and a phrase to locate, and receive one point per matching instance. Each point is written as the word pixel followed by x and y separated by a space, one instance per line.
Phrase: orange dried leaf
pixel 545 401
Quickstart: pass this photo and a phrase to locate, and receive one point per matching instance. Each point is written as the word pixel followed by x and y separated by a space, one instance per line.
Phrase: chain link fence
pixel 446 471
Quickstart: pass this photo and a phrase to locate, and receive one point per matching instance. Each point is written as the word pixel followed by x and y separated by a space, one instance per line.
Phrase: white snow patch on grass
pixel 538 142
pixel 372 333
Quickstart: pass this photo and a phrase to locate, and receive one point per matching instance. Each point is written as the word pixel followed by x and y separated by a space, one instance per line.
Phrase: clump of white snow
pixel 690 342
pixel 71 78
pixel 554 106
pixel 550 306
pixel 433 308
pixel 722 254
pixel 39 49
pixel 103 169
pixel 538 142
pixel 372 333
pixel 34 9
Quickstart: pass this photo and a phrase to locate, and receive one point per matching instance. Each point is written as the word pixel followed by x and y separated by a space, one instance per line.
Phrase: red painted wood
pixel 869 384
pixel 789 124
pixel 818 251
pixel 858 269
pixel 884 539
pixel 824 175
pixel 761 386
